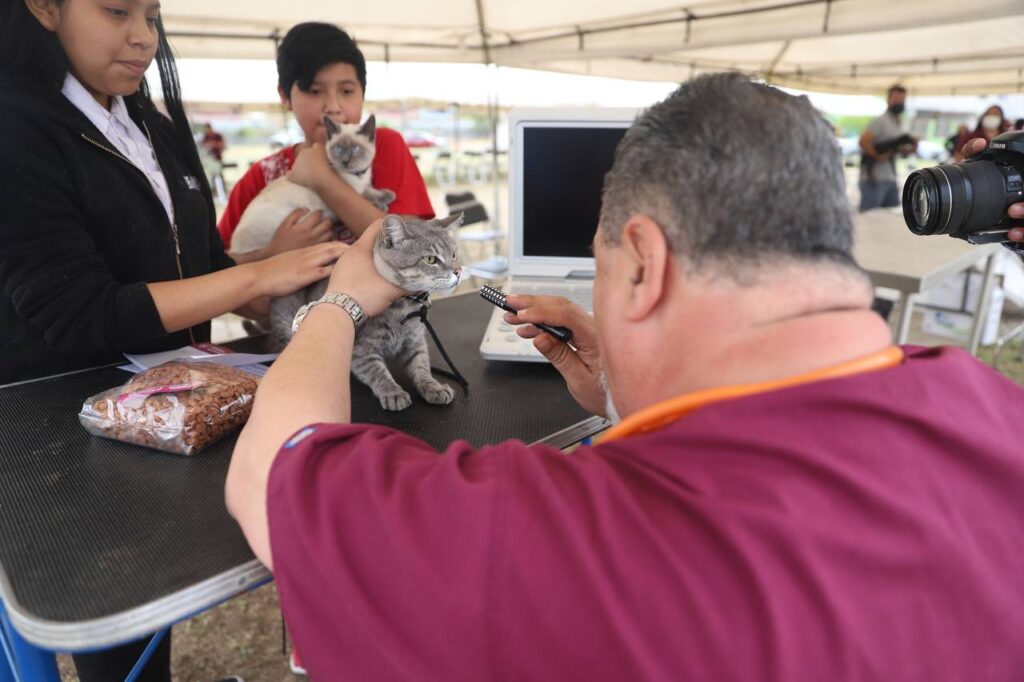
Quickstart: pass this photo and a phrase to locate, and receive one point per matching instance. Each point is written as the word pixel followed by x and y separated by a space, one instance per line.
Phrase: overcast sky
pixel 247 81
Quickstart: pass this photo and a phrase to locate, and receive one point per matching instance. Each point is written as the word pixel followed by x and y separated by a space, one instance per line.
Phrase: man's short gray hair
pixel 737 174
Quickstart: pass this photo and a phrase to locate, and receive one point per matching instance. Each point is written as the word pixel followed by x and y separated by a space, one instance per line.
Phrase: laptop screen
pixel 556 166
pixel 563 174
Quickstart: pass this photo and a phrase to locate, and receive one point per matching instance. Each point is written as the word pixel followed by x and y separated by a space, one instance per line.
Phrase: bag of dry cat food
pixel 180 406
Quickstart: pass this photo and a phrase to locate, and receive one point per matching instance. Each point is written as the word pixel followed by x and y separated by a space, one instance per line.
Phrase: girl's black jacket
pixel 82 231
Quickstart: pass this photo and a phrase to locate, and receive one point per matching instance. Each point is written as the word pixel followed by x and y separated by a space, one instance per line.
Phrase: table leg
pixel 31 662
pixel 146 655
pixel 7 667
pixel 981 313
pixel 906 304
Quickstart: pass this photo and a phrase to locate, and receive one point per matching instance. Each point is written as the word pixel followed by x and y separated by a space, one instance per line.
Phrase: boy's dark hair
pixel 311 46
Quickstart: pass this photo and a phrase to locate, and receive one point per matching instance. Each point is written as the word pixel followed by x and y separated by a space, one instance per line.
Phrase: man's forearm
pixel 308 383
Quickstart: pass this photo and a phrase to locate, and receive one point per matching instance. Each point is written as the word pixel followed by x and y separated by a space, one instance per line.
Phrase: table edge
pixel 135 623
pixel 571 435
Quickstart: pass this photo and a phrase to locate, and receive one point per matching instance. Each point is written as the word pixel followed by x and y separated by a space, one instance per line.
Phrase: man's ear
pixel 46 13
pixel 285 101
pixel 647 253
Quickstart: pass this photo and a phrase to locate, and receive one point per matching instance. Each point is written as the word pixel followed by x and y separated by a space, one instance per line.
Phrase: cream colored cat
pixel 350 150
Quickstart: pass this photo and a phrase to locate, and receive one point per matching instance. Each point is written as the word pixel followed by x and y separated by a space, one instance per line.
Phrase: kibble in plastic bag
pixel 180 406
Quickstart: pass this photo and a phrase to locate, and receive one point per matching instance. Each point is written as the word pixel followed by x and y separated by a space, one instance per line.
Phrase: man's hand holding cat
pixel 311 168
pixel 301 228
pixel 356 275
pixel 288 272
pixel 579 364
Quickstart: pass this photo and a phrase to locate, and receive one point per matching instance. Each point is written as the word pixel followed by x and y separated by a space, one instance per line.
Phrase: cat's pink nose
pixel 458 272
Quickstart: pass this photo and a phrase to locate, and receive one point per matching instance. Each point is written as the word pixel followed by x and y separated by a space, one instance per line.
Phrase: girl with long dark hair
pixel 108 240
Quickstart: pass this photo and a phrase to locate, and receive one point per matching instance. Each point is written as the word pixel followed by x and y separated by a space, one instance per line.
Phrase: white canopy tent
pixel 850 46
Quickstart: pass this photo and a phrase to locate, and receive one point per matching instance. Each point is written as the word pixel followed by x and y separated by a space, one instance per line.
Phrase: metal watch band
pixel 343 301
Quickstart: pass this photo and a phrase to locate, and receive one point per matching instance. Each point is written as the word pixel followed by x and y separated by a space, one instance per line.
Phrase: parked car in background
pixel 419 138
pixel 286 138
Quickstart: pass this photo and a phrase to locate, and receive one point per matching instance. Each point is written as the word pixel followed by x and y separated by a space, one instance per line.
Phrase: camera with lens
pixel 969 200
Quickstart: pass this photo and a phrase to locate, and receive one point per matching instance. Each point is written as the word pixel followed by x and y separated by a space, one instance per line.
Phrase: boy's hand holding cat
pixel 356 275
pixel 311 168
pixel 301 228
pixel 288 272
pixel 578 363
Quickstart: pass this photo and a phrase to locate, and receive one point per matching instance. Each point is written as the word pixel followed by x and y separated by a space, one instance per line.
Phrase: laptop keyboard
pixel 500 340
pixel 581 295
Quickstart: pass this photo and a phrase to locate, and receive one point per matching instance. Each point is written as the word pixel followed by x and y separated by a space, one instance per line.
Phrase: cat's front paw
pixel 386 197
pixel 438 394
pixel 395 402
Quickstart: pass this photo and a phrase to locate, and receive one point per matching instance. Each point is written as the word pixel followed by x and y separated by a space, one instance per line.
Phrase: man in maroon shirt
pixel 787 497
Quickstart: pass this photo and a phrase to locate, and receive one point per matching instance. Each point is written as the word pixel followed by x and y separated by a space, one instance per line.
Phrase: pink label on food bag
pixel 135 398
pixel 212 348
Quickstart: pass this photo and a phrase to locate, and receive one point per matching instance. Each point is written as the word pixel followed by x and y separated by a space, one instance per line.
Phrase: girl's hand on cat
pixel 301 228
pixel 356 275
pixel 579 363
pixel 288 272
pixel 311 167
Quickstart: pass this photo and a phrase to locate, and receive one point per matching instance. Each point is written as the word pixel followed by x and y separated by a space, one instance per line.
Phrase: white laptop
pixel 557 162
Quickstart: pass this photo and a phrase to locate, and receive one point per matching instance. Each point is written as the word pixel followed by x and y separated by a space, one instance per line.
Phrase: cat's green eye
pixel 430 260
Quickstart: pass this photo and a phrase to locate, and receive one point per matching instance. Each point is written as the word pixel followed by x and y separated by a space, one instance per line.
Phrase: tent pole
pixel 492 109
pixel 496 220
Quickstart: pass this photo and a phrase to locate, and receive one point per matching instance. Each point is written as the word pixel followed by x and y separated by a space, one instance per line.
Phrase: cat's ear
pixel 332 127
pixel 451 222
pixel 369 129
pixel 393 230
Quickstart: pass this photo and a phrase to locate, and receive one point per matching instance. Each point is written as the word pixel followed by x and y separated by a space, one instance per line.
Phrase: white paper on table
pixel 248 362
pixel 237 359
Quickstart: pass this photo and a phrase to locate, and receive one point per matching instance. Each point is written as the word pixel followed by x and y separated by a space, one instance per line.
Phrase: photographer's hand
pixel 580 363
pixel 1016 210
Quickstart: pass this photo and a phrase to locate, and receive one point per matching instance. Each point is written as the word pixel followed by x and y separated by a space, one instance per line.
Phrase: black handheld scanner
pixel 498 298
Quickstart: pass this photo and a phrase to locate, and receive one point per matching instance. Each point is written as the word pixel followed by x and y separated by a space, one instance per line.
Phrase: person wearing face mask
pixel 992 123
pixel 878 161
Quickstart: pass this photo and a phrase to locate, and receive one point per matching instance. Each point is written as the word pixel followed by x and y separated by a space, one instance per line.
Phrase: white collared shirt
pixel 122 132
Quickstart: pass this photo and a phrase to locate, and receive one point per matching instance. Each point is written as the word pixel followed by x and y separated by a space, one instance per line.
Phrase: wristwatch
pixel 343 301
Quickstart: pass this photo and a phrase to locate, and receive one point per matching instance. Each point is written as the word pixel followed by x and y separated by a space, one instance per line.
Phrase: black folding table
pixel 103 542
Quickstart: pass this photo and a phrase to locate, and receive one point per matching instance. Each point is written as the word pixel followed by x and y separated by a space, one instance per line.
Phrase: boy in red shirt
pixel 321 71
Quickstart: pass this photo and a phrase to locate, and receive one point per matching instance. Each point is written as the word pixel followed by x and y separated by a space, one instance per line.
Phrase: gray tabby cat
pixel 415 255
pixel 350 150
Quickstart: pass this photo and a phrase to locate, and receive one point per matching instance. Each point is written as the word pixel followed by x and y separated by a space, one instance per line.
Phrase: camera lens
pixel 954 199
pixel 921 189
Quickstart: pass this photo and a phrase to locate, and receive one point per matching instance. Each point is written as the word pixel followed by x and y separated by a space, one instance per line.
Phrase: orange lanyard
pixel 661 414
